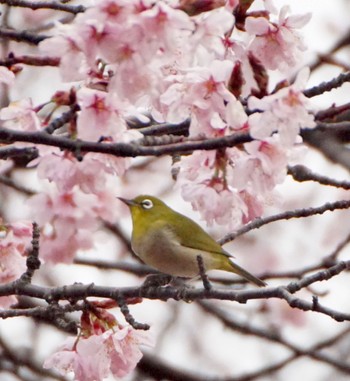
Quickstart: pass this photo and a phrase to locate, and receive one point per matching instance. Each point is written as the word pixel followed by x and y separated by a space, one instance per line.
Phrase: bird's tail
pixel 229 265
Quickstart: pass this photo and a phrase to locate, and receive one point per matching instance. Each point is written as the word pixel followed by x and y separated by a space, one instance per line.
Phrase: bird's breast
pixel 162 250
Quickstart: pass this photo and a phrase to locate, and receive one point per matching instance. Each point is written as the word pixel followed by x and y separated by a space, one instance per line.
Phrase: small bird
pixel 171 242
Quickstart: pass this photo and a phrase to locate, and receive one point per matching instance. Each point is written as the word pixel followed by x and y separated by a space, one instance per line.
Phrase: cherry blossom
pixel 66 171
pixel 233 187
pixel 95 355
pixel 67 220
pixel 284 111
pixel 20 116
pixel 277 45
pixel 99 116
pixel 201 93
pixel 14 240
pixel 204 184
pixel 68 45
pixel 209 34
pixel 260 168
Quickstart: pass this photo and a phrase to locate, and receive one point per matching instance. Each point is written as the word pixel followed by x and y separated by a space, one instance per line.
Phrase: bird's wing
pixel 190 234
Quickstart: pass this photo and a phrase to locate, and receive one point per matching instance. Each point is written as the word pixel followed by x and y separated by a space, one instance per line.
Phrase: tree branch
pixel 29 60
pixel 297 213
pixel 80 291
pixel 22 36
pixel 328 86
pixel 122 149
pixel 301 173
pixel 274 337
pixel 75 9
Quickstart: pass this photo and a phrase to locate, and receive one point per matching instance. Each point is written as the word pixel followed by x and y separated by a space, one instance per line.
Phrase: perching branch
pixel 80 291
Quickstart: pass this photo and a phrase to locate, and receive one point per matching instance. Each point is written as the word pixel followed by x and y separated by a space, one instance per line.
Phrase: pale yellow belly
pixel 161 251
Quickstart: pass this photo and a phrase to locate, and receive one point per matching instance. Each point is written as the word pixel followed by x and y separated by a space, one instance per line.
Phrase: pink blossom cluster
pixel 102 348
pixel 14 241
pixel 179 64
pixel 176 60
pixel 76 205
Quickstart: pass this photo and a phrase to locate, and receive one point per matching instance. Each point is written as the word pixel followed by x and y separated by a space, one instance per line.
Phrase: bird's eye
pixel 147 204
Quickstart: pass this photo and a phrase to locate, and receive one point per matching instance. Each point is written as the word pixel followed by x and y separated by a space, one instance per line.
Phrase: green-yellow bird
pixel 171 242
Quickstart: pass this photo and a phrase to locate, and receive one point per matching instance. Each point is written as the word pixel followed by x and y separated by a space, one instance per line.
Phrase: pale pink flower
pixel 116 11
pixel 254 206
pixel 201 92
pixel 12 263
pixel 20 116
pixel 210 31
pixel 203 184
pixel 66 171
pixel 68 221
pixel 107 206
pixel 277 45
pixel 14 241
pixel 6 76
pixel 236 117
pixel 232 188
pixel 86 358
pixel 99 115
pixel 94 358
pixel 54 204
pixel 16 237
pixel 223 207
pixel 162 26
pixel 284 112
pixel 125 349
pixel 260 168
pixel 68 46
pixel 62 238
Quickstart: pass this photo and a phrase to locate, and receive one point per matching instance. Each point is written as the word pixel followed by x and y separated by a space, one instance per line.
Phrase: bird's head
pixel 146 208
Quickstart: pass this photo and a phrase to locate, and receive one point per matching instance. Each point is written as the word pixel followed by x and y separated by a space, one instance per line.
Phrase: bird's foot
pixel 157 280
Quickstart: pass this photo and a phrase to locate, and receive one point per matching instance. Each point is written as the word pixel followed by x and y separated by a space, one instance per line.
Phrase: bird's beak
pixel 127 202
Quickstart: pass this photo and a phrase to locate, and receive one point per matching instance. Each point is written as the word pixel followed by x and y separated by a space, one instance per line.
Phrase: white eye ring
pixel 147 204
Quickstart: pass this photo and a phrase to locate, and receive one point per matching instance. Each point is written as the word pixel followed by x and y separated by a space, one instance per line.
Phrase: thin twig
pixel 272 336
pixel 75 9
pixel 62 119
pixel 29 60
pixel 33 262
pixel 27 361
pixel 128 317
pixel 297 213
pixel 22 36
pixel 301 173
pixel 14 185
